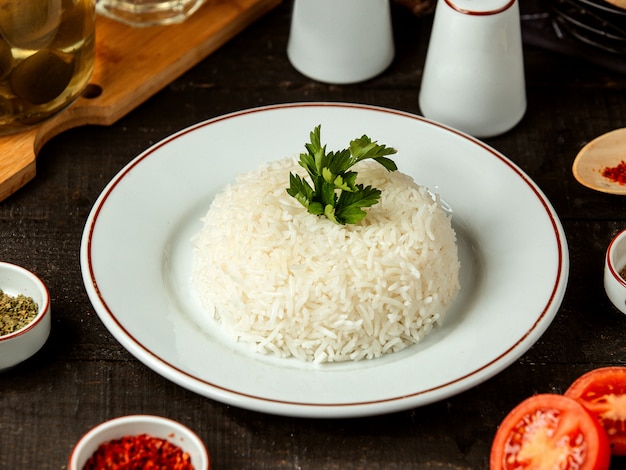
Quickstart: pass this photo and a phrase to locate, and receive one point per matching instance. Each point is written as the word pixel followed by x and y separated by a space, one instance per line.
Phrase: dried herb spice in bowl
pixel 24 314
pixel 16 312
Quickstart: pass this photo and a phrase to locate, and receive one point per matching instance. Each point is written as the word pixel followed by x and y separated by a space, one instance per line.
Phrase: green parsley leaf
pixel 300 189
pixel 335 192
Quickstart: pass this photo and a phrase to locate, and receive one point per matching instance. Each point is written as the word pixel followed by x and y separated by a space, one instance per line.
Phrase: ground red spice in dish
pixel 616 174
pixel 141 452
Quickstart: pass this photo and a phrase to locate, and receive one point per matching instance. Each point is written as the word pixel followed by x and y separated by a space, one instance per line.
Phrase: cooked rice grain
pixel 294 284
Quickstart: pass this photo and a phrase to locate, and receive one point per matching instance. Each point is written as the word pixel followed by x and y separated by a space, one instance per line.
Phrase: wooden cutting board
pixel 132 64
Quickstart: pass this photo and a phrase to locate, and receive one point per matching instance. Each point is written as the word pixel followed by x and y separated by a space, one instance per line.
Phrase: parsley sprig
pixel 335 192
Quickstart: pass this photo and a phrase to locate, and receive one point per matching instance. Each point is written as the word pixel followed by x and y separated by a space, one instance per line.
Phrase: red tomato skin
pixel 599 455
pixel 602 381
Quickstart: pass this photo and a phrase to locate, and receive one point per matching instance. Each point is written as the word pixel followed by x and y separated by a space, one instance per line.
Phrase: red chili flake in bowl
pixel 617 174
pixel 142 452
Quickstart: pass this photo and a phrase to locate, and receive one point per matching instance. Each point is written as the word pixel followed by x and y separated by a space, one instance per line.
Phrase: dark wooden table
pixel 83 376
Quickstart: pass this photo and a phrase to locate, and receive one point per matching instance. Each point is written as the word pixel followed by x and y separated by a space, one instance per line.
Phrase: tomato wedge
pixel 550 431
pixel 603 392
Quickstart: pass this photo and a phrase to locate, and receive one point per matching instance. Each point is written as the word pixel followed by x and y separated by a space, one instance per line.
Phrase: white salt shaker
pixel 341 41
pixel 473 77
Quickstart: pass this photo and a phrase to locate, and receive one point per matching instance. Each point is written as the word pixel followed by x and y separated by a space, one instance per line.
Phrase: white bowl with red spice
pixel 24 314
pixel 615 271
pixel 142 440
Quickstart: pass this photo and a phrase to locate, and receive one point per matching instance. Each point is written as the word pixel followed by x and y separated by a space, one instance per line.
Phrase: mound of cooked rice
pixel 296 284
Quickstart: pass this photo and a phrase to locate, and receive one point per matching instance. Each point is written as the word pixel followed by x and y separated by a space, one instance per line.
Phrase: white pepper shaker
pixel 341 41
pixel 473 77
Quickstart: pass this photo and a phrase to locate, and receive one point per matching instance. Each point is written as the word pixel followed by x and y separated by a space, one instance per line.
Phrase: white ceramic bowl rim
pixel 43 307
pixel 87 439
pixel 614 270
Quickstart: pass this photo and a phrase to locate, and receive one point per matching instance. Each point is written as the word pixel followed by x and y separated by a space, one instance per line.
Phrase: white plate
pixel 136 261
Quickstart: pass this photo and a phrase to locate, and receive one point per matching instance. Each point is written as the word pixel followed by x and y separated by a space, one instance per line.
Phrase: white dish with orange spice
pixel 159 441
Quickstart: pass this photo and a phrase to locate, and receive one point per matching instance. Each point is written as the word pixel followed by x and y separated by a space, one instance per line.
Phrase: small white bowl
pixel 135 425
pixel 615 261
pixel 21 344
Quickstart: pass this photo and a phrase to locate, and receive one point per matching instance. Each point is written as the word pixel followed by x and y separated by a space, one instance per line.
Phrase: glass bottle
pixel 47 55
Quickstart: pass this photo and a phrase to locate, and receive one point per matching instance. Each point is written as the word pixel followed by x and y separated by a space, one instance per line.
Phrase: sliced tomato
pixel 550 431
pixel 603 392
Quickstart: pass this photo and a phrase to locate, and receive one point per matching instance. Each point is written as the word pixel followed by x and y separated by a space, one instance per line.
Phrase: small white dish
pixel 22 344
pixel 615 261
pixel 135 425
